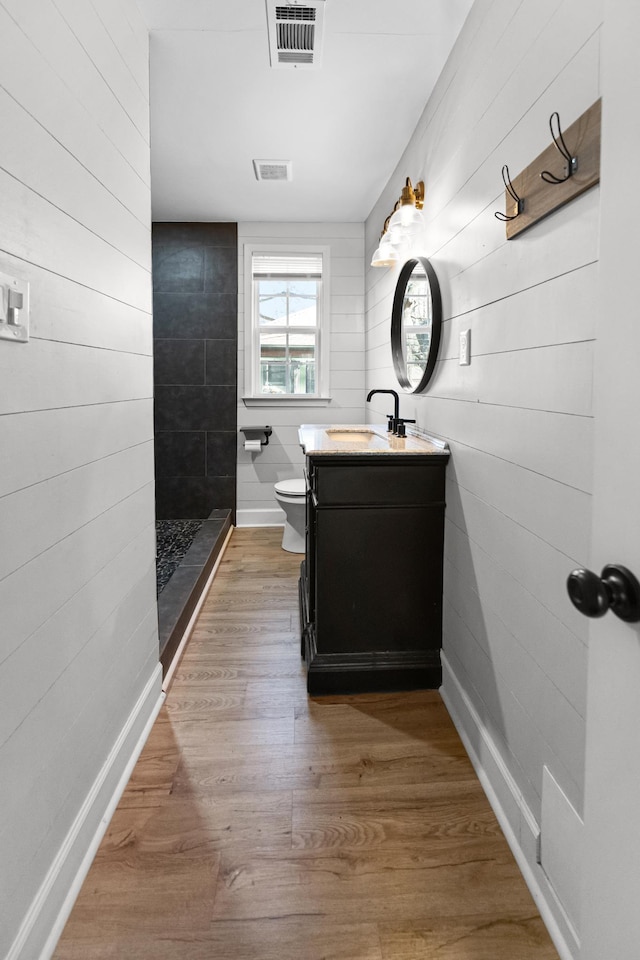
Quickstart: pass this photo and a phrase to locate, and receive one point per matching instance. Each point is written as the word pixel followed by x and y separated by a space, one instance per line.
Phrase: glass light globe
pixel 385 255
pixel 406 216
pixel 400 235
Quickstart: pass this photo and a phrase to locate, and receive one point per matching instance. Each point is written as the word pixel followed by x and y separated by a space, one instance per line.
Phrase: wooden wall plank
pixel 88 26
pixel 512 100
pixel 65 311
pixel 60 640
pixel 347 323
pixel 58 35
pixel 47 443
pixel 58 573
pixel 556 513
pixel 29 523
pixel 524 378
pixel 27 77
pixel 34 158
pixel 556 649
pixel 559 244
pixel 128 34
pixel 77 561
pixel 85 712
pixel 65 247
pixel 90 739
pixel 538 566
pixel 519 419
pixel 564 309
pixel 50 374
pixel 548 730
pixel 517 739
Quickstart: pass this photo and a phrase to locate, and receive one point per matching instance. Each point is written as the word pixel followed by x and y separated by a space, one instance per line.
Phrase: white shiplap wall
pixel 519 418
pixel 78 638
pixel 282 459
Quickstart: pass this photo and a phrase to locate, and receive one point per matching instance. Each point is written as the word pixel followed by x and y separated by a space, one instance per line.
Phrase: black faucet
pixel 400 430
pixel 393 420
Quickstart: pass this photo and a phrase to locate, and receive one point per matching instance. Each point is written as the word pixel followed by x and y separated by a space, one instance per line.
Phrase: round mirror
pixel 416 321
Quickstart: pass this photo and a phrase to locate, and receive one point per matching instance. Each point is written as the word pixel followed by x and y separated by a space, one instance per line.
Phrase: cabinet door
pixel 379 578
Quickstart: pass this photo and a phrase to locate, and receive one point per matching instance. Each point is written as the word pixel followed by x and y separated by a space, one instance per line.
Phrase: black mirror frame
pixel 396 324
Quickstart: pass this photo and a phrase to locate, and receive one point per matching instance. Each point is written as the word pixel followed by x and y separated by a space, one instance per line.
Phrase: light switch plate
pixel 14 309
pixel 465 348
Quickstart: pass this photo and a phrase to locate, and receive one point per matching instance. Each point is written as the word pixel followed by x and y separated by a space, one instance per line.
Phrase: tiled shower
pixel 195 291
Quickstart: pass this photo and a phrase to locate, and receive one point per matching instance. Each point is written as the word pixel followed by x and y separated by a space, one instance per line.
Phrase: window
pixel 287 346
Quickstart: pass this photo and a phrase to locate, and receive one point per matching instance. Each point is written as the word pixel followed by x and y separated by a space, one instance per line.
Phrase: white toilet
pixel 291 496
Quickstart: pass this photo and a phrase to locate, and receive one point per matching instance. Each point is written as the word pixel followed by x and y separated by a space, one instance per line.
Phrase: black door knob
pixel 616 589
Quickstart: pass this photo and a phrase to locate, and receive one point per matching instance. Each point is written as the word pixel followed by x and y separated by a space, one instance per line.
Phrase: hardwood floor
pixel 261 825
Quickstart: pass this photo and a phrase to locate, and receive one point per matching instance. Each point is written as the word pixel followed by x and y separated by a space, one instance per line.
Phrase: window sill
pixel 280 400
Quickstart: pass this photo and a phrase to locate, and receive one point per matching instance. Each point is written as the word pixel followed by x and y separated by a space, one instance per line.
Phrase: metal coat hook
pixel 509 187
pixel 563 150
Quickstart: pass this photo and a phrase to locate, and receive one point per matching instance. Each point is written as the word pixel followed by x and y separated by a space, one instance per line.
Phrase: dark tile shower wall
pixel 195 330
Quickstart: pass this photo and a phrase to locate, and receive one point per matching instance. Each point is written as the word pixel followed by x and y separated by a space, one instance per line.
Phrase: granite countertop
pixel 365 438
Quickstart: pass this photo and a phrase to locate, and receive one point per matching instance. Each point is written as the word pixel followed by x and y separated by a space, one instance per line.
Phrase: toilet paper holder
pixel 257 433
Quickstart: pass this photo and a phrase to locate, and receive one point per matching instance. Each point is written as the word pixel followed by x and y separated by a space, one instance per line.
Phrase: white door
pixel 611 892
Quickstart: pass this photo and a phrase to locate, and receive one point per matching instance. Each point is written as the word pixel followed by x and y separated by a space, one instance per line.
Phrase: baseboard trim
pixel 512 812
pixel 38 934
pixel 260 518
pixel 337 673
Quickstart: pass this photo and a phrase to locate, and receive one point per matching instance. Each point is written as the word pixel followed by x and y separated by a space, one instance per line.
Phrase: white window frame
pixel 252 395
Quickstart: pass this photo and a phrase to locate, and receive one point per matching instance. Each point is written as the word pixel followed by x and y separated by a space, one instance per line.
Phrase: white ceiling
pixel 216 104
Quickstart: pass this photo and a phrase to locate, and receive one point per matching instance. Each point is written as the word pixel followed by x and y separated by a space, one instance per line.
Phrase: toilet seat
pixel 291 488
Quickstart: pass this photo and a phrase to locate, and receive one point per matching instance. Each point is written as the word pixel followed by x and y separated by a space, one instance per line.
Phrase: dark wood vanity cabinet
pixel 371 581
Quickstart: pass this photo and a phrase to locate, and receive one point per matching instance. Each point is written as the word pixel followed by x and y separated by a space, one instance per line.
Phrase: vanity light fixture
pixel 401 226
pixel 386 255
pixel 407 210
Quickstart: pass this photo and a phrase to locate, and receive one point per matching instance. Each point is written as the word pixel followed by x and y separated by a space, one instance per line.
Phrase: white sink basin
pixel 351 436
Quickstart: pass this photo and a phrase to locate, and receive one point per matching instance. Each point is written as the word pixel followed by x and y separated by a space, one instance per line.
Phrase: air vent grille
pixel 273 169
pixel 295 33
pixel 295 13
pixel 297 57
pixel 295 36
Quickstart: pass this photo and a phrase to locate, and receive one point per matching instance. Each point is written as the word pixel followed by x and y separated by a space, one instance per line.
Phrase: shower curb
pixel 180 597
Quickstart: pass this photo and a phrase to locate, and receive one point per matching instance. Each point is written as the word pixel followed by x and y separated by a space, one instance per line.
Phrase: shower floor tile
pixel 173 540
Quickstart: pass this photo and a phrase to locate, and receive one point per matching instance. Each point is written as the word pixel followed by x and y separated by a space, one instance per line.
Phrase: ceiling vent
pixel 273 169
pixel 295 32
